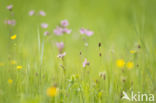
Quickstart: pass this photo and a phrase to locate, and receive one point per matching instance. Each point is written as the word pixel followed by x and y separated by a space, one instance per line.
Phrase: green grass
pixel 120 26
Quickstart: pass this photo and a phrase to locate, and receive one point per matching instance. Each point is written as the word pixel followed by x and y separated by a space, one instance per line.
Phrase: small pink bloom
pixel 85 63
pixel 46 33
pixel 60 46
pixel 86 32
pixel 9 7
pixel 68 31
pixel 44 25
pixel 42 13
pixel 64 23
pixel 61 55
pixel 31 12
pixel 89 33
pixel 10 22
pixel 58 31
pixel 82 31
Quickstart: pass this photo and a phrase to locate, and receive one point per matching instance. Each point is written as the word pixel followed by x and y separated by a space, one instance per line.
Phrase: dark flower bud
pixel 99 44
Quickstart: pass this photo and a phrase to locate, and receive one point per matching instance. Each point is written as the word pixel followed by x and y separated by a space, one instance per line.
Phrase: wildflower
pixel 42 13
pixel 102 75
pixel 86 32
pixel 64 23
pixel 44 25
pixel 58 31
pixel 85 62
pixel 10 81
pixel 61 55
pixel 52 91
pixel 60 46
pixel 19 67
pixel 13 37
pixel 132 51
pixel 67 31
pixel 12 62
pixel 31 12
pixel 130 65
pixel 46 33
pixel 10 22
pixel 120 63
pixel 1 64
pixel 9 7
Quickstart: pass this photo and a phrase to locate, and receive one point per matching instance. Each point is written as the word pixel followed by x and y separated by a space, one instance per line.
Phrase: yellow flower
pixel 120 63
pixel 132 51
pixel 13 37
pixel 1 64
pixel 19 67
pixel 10 81
pixel 52 91
pixel 130 65
pixel 12 62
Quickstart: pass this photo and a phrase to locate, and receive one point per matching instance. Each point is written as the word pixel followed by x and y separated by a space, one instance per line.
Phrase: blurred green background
pixel 120 25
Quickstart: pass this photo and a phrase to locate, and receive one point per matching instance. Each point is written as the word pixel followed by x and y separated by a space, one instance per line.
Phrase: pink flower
pixel 60 46
pixel 64 23
pixel 9 7
pixel 67 31
pixel 10 22
pixel 85 63
pixel 61 55
pixel 58 31
pixel 44 25
pixel 86 32
pixel 42 13
pixel 46 33
pixel 31 12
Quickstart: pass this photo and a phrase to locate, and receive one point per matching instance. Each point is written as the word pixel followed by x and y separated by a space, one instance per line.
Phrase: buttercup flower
pixel 10 81
pixel 19 67
pixel 42 13
pixel 31 12
pixel 12 62
pixel 130 65
pixel 44 25
pixel 13 37
pixel 52 91
pixel 9 7
pixel 132 51
pixel 64 23
pixel 120 63
pixel 85 62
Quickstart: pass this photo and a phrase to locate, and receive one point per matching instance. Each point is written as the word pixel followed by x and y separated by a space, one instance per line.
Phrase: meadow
pixel 77 51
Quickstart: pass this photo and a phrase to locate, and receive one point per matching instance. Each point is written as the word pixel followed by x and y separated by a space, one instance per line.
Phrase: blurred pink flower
pixel 67 31
pixel 10 22
pixel 64 23
pixel 58 31
pixel 61 55
pixel 42 13
pixel 9 7
pixel 60 46
pixel 85 63
pixel 44 25
pixel 46 33
pixel 31 12
pixel 86 32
